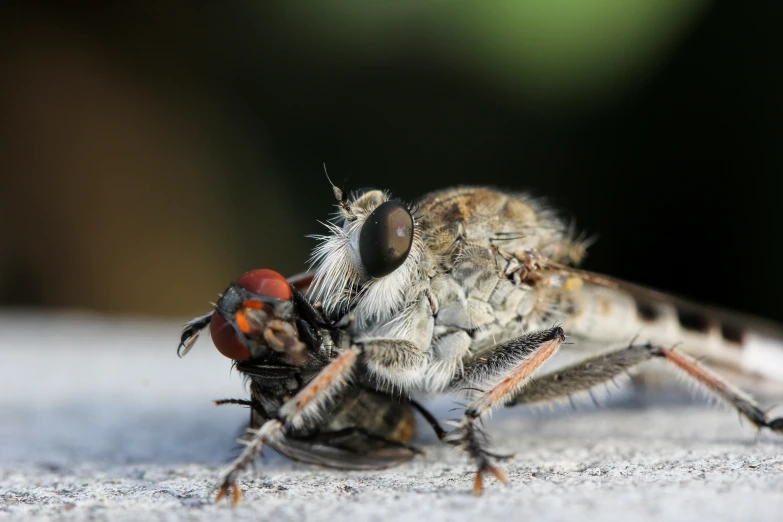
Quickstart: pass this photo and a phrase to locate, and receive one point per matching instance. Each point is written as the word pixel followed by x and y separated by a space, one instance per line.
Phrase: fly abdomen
pixel 602 314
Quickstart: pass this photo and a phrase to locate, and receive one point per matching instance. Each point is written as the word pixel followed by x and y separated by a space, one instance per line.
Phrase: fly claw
pixel 225 489
pixel 478 482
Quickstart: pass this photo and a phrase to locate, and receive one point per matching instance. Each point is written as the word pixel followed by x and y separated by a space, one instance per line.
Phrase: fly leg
pixel 268 433
pixel 432 421
pixel 302 407
pixel 721 388
pixel 504 370
pixel 306 407
pixel 600 369
pixel 581 376
pixel 397 363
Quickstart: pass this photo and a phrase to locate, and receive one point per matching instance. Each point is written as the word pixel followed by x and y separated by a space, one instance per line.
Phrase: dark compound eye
pixel 385 239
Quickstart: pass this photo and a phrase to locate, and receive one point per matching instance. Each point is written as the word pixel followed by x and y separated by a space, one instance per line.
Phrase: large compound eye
pixel 262 282
pixel 226 339
pixel 386 238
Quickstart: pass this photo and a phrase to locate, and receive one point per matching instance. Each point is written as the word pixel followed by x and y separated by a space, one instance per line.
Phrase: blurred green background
pixel 153 152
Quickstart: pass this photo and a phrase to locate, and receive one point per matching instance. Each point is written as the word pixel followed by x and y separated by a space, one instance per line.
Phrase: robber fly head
pixel 372 253
pixel 256 313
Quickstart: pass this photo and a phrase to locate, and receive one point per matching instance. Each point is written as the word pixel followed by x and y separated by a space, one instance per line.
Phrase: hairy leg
pixel 600 369
pixel 510 365
pixel 306 407
pixel 268 433
pixel 581 376
pixel 499 373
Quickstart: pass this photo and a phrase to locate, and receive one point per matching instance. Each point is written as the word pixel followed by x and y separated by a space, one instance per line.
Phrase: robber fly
pixel 472 290
pixel 279 342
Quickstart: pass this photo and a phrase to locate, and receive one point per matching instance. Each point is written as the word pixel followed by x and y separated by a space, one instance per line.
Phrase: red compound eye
pixel 265 282
pixel 262 282
pixel 226 339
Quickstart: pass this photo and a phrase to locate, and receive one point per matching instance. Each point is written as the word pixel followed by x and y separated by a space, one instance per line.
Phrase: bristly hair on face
pixel 341 282
pixel 336 279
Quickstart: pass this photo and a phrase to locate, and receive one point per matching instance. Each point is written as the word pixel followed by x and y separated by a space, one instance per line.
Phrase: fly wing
pixel 601 309
pixel 365 429
pixel 346 449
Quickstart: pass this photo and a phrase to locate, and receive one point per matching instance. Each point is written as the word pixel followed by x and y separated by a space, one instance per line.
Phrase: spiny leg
pixel 269 432
pixel 719 386
pixel 296 412
pixel 505 369
pixel 307 405
pixel 581 376
pixel 600 369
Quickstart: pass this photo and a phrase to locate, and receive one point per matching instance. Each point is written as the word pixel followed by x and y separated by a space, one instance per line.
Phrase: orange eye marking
pixel 252 303
pixel 242 323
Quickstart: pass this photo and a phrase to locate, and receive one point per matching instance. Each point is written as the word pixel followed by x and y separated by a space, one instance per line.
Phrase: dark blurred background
pixel 152 152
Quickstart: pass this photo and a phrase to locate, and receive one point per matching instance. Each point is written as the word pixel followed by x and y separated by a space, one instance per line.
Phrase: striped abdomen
pixel 610 312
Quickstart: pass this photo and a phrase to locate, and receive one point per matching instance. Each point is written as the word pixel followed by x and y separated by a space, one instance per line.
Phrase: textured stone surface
pixel 99 420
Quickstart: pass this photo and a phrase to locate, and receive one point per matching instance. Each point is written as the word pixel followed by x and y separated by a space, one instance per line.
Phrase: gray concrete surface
pixel 99 420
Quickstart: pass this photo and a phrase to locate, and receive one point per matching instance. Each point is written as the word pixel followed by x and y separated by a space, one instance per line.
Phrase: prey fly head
pixel 258 312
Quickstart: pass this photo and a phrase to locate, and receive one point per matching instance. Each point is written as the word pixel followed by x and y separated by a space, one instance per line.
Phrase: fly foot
pixel 473 440
pixel 254 442
pixel 229 486
pixel 484 468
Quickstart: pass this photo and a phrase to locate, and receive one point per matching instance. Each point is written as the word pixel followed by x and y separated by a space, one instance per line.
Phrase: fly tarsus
pixel 225 488
pixel 506 368
pixel 472 439
pixel 271 431
pixel 720 387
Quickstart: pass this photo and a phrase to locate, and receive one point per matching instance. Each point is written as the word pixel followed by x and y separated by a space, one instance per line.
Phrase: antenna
pixel 338 193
